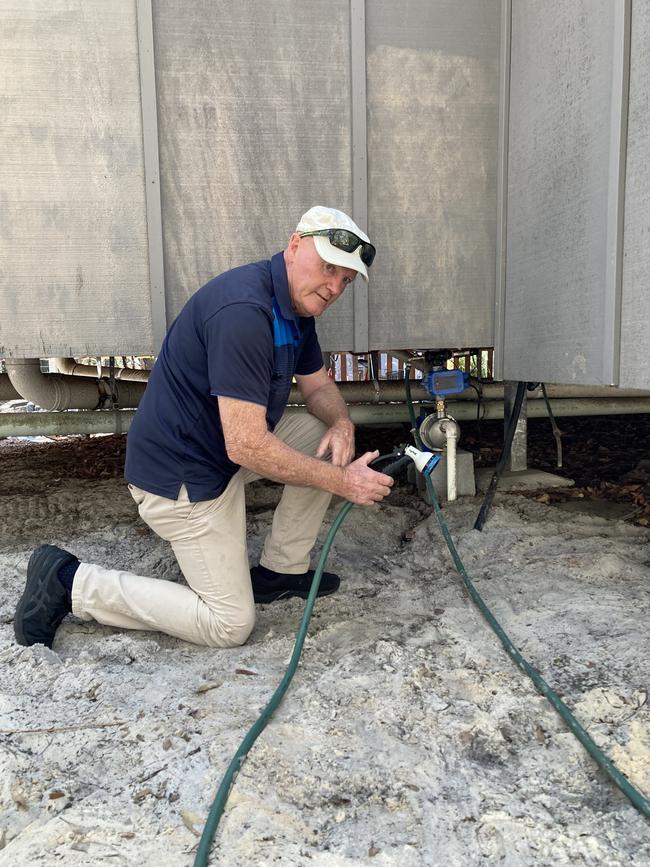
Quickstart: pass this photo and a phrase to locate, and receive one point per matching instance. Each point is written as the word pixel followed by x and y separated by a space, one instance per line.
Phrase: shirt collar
pixel 281 287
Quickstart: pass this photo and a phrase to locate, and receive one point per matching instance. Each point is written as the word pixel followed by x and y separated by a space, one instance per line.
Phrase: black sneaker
pixel 45 601
pixel 269 585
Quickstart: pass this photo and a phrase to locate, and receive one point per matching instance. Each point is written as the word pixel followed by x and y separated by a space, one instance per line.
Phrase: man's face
pixel 313 283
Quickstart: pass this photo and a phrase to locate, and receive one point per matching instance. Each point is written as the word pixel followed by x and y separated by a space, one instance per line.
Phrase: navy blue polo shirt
pixel 239 337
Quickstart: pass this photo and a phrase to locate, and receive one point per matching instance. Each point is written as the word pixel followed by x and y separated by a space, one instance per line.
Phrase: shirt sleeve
pixel 239 347
pixel 310 358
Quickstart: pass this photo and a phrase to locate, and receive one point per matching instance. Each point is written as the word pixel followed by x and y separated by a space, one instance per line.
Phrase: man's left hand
pixel 339 440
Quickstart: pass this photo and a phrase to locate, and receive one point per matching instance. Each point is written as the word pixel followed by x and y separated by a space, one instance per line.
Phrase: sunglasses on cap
pixel 347 241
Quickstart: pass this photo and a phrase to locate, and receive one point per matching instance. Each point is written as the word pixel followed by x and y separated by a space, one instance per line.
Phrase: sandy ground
pixel 407 737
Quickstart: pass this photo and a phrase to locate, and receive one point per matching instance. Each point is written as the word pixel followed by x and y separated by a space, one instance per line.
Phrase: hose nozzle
pixel 425 462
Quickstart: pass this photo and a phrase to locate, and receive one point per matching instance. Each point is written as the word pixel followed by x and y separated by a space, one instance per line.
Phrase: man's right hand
pixel 362 485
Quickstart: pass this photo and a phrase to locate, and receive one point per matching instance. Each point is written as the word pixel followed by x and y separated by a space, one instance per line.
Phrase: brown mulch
pixel 607 456
pixel 74 457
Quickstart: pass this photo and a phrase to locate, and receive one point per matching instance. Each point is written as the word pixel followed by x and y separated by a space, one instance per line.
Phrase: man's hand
pixel 324 400
pixel 339 440
pixel 364 486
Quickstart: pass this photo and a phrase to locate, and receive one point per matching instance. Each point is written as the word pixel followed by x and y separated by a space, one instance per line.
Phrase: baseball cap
pixel 320 217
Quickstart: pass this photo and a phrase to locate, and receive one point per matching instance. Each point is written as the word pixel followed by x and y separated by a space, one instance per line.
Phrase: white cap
pixel 320 217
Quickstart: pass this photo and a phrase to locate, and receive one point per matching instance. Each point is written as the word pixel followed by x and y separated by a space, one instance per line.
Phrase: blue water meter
pixel 441 383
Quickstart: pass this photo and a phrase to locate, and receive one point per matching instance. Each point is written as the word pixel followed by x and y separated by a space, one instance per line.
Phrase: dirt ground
pixel 407 738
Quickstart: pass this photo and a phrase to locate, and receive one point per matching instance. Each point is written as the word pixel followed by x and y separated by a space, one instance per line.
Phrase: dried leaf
pixel 206 687
pixel 190 820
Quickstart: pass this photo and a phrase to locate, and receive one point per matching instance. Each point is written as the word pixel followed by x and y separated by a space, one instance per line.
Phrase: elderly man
pixel 212 420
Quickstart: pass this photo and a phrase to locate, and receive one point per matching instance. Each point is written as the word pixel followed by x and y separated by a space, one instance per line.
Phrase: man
pixel 212 420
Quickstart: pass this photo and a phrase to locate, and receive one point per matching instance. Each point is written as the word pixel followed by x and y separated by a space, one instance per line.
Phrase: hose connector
pixel 425 462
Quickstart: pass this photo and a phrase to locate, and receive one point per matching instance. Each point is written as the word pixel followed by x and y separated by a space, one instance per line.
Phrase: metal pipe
pixel 560 407
pixel 72 368
pixel 380 391
pixel 394 413
pixel 46 424
pixel 392 391
pixel 27 424
pixel 54 391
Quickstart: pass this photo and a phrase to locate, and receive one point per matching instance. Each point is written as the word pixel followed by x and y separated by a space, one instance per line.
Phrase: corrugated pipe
pixel 72 368
pixel 55 391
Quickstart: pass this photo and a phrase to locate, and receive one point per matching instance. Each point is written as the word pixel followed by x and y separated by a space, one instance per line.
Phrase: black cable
pixel 505 455
pixel 557 433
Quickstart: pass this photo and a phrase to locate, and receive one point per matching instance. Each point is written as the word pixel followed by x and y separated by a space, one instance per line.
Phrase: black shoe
pixel 45 601
pixel 269 585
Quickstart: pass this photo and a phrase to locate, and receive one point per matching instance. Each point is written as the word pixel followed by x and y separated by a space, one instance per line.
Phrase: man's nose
pixel 336 286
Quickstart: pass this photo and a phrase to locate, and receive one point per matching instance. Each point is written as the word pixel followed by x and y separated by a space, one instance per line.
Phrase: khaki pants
pixel 209 541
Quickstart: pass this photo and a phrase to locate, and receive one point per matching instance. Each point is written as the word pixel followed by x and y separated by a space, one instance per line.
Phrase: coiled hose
pixel 203 852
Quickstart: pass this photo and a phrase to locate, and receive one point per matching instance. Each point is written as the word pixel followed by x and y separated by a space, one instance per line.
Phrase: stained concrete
pixel 521 480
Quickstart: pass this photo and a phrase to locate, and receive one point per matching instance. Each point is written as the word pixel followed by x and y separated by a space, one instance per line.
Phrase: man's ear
pixel 292 246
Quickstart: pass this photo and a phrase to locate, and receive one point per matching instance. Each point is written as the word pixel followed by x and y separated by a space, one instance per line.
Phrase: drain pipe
pixel 450 428
pixel 7 391
pixel 49 423
pixel 53 391
pixel 72 368
pixel 392 391
pixel 465 410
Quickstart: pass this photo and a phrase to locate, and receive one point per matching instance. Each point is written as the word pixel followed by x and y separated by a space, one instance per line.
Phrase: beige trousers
pixel 209 541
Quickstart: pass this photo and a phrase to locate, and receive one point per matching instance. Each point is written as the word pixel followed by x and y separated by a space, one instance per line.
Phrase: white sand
pixel 407 738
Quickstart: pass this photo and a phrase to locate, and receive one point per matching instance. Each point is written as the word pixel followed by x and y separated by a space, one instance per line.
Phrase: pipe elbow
pixel 49 391
pixel 57 392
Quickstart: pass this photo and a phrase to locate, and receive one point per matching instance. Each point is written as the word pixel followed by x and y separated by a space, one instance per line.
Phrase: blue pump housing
pixel 441 383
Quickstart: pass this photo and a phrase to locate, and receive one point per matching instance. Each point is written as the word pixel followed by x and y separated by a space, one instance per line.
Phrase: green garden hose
pixel 210 829
pixel 635 796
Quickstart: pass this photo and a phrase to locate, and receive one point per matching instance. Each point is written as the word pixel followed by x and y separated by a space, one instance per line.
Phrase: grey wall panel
pixel 635 317
pixel 560 298
pixel 254 125
pixel 73 251
pixel 432 130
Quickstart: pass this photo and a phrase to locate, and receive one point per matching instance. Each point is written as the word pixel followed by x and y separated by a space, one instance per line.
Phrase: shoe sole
pixel 289 594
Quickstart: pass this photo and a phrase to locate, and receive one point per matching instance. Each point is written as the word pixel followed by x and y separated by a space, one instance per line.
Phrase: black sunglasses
pixel 347 241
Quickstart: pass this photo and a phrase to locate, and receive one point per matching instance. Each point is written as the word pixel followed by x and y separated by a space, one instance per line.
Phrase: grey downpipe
pixel 72 368
pixel 54 391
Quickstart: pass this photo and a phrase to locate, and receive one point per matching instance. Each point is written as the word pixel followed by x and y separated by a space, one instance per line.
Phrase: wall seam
pixel 149 107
